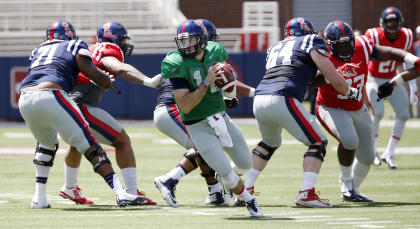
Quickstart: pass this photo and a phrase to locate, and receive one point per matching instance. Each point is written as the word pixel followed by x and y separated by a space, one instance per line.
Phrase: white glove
pixel 354 94
pixel 414 94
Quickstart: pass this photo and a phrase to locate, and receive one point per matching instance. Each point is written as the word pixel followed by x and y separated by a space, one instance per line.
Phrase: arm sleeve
pixel 179 83
pixel 318 44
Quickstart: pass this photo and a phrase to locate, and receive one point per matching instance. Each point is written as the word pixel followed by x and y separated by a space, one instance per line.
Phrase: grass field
pixel 396 192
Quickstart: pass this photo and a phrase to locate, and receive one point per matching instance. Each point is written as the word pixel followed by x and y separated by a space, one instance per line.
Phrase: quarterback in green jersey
pixel 192 72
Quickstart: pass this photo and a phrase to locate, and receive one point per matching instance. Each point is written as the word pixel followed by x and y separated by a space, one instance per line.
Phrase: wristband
pixel 398 80
pixel 410 59
pixel 251 92
pixel 206 84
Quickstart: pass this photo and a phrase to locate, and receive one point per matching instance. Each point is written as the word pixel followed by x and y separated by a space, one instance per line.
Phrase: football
pixel 227 82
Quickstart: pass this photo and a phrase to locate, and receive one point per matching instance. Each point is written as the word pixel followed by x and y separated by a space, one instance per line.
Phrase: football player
pixel 167 119
pixel 47 110
pixel 112 47
pixel 345 119
pixel 390 33
pixel 291 65
pixel 192 71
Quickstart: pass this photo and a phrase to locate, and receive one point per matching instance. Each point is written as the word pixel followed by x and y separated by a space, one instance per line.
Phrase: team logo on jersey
pixel 348 70
pixel 303 25
pixel 66 27
pixel 108 32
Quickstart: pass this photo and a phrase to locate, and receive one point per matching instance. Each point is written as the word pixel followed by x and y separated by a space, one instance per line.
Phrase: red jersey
pixel 98 51
pixel 330 97
pixel 387 69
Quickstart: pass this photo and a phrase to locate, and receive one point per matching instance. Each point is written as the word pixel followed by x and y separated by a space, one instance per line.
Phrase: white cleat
pixel 227 194
pixel 310 199
pixel 125 199
pixel 166 186
pixel 40 201
pixel 377 160
pixel 390 161
pixel 254 208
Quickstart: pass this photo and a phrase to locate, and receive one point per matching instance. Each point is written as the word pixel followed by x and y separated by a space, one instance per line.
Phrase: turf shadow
pixel 265 218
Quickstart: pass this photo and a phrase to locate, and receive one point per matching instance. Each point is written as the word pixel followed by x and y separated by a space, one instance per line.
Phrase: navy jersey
pixel 165 93
pixel 55 61
pixel 289 67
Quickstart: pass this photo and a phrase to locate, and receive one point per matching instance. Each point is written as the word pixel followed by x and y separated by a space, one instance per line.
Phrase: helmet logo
pixel 66 27
pixel 108 32
pixel 203 28
pixel 303 25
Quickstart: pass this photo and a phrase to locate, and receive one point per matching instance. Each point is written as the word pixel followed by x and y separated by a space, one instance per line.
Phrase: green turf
pixel 396 192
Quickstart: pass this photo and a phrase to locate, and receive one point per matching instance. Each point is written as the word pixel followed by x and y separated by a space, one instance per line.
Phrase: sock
pixel 251 177
pixel 345 173
pixel 214 188
pixel 244 195
pixel 177 172
pixel 397 131
pixel 130 180
pixel 113 182
pixel 42 173
pixel 71 175
pixel 390 148
pixel 375 143
pixel 309 179
pixel 360 171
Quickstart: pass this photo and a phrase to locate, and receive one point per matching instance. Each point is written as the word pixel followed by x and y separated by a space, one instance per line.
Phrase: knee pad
pixel 231 180
pixel 99 156
pixel 268 148
pixel 317 150
pixel 44 156
pixel 193 157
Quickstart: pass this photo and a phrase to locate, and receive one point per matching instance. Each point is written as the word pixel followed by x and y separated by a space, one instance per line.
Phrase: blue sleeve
pixel 179 83
pixel 319 44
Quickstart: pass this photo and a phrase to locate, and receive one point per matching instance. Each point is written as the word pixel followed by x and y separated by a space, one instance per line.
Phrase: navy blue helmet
pixel 211 29
pixel 388 14
pixel 61 30
pixel 191 38
pixel 114 32
pixel 298 26
pixel 340 40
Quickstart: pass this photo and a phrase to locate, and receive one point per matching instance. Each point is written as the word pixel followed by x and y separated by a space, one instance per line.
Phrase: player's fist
pixel 417 64
pixel 385 90
pixel 231 103
pixel 354 94
pixel 226 81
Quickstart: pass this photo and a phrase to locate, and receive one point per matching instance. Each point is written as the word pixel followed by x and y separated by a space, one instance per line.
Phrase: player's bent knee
pixel 317 150
pixel 350 142
pixel 44 156
pixel 231 180
pixel 239 171
pixel 97 157
pixel 266 147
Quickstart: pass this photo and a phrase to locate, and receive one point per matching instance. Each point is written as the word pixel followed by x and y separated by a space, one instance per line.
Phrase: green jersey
pixel 194 71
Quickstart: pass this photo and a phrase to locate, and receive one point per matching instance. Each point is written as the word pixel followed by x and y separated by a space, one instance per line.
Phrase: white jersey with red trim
pixel 330 97
pixel 100 50
pixel 387 69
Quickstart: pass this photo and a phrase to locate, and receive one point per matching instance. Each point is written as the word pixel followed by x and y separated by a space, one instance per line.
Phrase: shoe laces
pixel 317 193
pixel 252 191
pixel 253 204
pixel 78 192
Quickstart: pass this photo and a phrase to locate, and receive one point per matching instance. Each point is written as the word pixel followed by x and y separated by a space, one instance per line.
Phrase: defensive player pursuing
pixel 47 110
pixel 108 54
pixel 167 120
pixel 347 120
pixel 291 65
pixel 192 72
pixel 390 33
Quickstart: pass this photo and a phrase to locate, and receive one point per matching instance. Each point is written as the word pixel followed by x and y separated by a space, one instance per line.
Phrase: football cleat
pixel 253 208
pixel 74 194
pixel 148 201
pixel 215 198
pixel 227 194
pixel 309 199
pixel 40 201
pixel 166 186
pixel 355 196
pixel 377 160
pixel 124 199
pixel 390 161
pixel 240 202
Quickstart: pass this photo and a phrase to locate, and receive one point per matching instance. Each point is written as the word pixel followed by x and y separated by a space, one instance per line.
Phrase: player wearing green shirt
pixel 192 73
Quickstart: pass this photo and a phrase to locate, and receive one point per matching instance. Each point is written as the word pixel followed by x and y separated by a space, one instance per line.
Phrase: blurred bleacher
pixel 151 23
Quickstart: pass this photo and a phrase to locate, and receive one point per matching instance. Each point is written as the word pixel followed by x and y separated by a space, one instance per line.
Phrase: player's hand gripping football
pixel 214 73
pixel 385 90
pixel 354 94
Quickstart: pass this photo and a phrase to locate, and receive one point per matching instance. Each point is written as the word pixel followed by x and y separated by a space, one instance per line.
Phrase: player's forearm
pixel 187 101
pixel 244 90
pixel 389 53
pixel 98 76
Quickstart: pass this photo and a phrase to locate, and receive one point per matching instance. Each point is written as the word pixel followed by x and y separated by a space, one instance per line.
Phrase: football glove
pixel 231 103
pixel 354 94
pixel 385 90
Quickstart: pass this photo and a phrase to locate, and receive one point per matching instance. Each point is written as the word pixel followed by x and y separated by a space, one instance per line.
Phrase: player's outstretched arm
pixel 386 89
pixel 98 76
pixel 244 90
pixel 129 73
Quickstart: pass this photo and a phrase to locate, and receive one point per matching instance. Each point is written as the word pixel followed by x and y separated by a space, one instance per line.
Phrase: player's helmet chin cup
pixel 211 30
pixel 191 38
pixel 298 26
pixel 340 40
pixel 60 30
pixel 391 13
pixel 114 32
